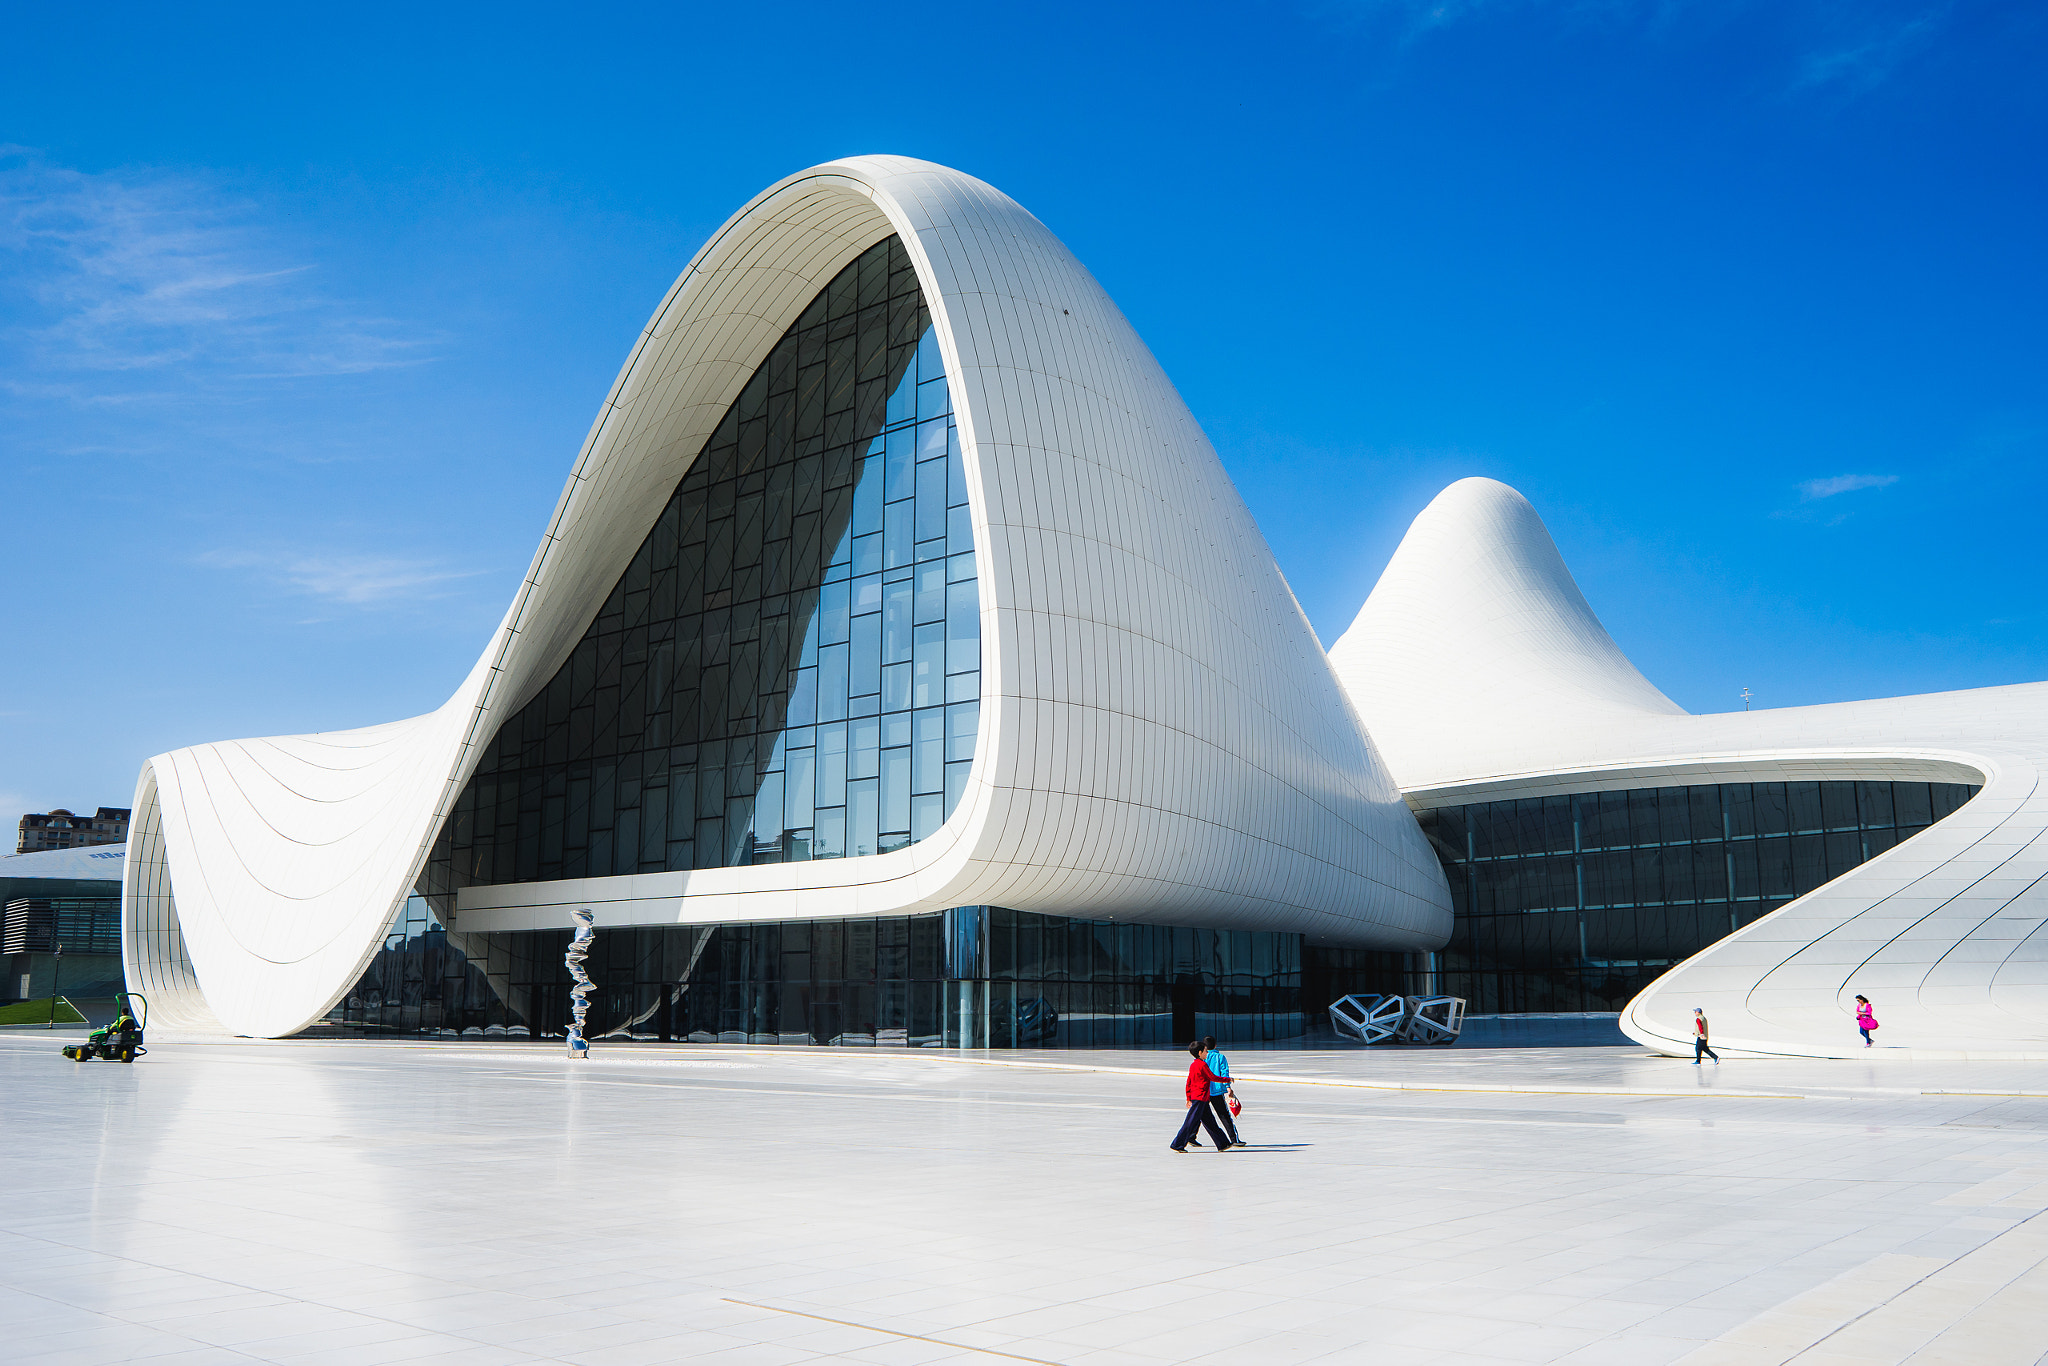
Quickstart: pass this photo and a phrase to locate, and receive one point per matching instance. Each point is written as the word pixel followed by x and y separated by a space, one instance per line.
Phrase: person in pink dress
pixel 1866 1019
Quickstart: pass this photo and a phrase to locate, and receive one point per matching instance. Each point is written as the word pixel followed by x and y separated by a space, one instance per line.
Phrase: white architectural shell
pixel 1161 738
pixel 1484 675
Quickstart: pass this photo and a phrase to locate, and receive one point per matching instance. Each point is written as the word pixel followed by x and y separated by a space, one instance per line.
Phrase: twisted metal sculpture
pixel 579 990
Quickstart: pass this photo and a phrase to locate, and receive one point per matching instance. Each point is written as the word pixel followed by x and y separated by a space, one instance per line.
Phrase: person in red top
pixel 1699 1039
pixel 1199 1078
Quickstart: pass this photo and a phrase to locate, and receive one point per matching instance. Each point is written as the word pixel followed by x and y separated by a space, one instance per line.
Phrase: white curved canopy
pixel 1483 674
pixel 1161 738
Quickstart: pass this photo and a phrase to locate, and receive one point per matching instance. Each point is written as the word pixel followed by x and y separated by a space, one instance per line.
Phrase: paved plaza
pixel 364 1203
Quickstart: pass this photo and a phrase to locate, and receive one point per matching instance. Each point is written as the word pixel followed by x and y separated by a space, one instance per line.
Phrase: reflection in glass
pixel 770 678
pixel 1578 902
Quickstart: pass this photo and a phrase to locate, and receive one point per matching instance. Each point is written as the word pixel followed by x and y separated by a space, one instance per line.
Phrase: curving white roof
pixel 1483 674
pixel 88 863
pixel 1161 737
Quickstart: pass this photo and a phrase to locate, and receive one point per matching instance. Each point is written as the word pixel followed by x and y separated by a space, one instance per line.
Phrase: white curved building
pixel 895 566
pixel 1513 723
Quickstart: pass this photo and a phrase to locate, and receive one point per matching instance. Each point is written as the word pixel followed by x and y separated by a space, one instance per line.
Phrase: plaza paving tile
pixel 465 1203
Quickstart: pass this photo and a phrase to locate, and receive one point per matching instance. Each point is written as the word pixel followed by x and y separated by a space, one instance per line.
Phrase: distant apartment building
pixel 61 829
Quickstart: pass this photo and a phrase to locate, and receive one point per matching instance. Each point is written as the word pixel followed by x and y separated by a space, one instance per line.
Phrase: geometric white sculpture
pixel 1371 1018
pixel 1434 1019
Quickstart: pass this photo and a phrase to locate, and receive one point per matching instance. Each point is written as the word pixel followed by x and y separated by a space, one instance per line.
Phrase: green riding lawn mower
pixel 120 1041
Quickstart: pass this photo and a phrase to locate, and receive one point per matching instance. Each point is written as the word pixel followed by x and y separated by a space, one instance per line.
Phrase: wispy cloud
pixel 1815 489
pixel 1834 45
pixel 126 286
pixel 1868 49
pixel 351 579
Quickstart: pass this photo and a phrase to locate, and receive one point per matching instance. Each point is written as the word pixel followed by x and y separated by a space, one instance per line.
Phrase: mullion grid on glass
pixel 1646 877
pixel 789 668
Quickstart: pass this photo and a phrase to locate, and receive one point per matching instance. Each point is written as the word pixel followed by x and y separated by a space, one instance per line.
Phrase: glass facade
pixel 1576 903
pixel 790 666
pixel 974 976
pixel 1569 903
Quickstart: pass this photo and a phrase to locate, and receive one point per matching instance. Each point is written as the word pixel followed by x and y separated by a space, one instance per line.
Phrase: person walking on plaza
pixel 1197 1091
pixel 1866 1018
pixel 1219 1089
pixel 1699 1038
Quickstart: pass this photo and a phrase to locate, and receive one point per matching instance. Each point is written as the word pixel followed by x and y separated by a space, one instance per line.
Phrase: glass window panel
pixel 743 625
pixel 931 593
pixel 1706 818
pixel 928 751
pixel 931 500
pixel 898 525
pixel 800 770
pixel 932 651
pixel 866 517
pixel 962 721
pixel 963 627
pixel 927 813
pixel 1802 801
pixel 767 821
pixel 832 682
pixel 896 622
pixel 1740 808
pixel 864 664
pixel 803 697
pixel 864 745
pixel 828 838
pixel 1874 805
pixel 863 815
pixel 1838 806
pixel 902 405
pixel 896 689
pixel 834 616
pixel 900 453
pixel 1773 816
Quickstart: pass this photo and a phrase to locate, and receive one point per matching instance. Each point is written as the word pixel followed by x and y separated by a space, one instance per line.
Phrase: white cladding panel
pixel 1161 737
pixel 1483 674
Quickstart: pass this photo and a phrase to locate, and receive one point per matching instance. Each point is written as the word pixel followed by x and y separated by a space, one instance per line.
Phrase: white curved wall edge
pixel 1161 738
pixel 1945 933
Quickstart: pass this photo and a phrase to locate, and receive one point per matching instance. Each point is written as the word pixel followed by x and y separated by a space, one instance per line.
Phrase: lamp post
pixel 56 973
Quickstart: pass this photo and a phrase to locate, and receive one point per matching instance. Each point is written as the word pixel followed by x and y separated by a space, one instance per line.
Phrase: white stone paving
pixel 385 1203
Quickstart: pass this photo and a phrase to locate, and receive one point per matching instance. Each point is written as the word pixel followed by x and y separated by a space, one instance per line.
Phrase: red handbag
pixel 1235 1108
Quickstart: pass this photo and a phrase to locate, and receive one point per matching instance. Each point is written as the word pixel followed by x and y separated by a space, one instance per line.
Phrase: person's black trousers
pixel 1700 1049
pixel 1200 1113
pixel 1220 1107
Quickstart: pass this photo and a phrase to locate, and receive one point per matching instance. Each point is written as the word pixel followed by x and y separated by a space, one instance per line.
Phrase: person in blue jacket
pixel 1219 1089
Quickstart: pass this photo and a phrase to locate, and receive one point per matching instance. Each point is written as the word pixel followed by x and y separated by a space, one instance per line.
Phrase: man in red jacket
pixel 1199 1078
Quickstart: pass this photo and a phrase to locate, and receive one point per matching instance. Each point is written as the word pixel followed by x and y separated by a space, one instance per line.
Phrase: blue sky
pixel 303 316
